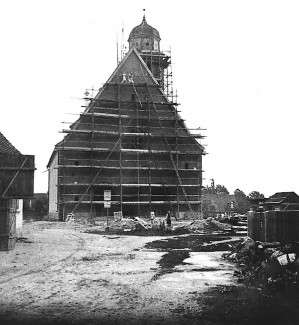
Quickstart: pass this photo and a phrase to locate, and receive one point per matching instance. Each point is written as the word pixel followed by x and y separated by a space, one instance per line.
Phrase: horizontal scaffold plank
pixel 134 202
pixel 145 134
pixel 105 115
pixel 152 127
pixel 128 168
pixel 128 108
pixel 155 197
pixel 135 117
pixel 127 185
pixel 144 151
pixel 129 102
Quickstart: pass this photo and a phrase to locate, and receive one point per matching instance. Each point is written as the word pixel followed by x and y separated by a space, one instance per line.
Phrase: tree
pixel 243 203
pixel 208 209
pixel 220 189
pixel 256 195
pixel 239 193
pixel 208 190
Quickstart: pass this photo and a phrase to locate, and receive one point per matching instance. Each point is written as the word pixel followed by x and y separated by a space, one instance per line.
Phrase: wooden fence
pixel 273 226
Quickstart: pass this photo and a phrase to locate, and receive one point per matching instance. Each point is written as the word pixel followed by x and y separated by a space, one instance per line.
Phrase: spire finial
pixel 143 13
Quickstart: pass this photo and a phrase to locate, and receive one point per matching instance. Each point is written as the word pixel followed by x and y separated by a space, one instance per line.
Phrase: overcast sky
pixel 235 67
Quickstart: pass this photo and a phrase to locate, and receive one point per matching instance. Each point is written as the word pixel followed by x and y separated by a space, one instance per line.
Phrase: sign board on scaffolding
pixel 107 195
pixel 107 204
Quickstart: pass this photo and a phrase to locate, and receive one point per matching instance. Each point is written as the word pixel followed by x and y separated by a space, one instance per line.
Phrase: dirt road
pixel 62 275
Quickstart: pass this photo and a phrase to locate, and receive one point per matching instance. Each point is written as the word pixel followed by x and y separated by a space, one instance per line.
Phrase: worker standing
pixel 152 218
pixel 168 219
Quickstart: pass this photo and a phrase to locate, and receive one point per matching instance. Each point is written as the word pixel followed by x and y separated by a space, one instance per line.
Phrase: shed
pixel 16 183
pixel 282 201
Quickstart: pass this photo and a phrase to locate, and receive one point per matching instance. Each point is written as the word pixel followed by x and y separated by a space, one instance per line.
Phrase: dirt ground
pixel 59 274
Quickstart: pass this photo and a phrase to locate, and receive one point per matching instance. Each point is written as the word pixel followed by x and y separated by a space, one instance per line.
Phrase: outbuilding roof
pixel 283 197
pixel 6 147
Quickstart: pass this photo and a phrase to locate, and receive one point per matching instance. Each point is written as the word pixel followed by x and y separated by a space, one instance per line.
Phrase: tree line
pixel 221 189
pixel 241 202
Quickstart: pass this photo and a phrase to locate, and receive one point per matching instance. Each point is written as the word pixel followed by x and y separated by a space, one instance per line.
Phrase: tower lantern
pixel 146 39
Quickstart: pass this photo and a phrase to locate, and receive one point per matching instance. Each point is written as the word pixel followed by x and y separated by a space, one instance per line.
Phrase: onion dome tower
pixel 146 39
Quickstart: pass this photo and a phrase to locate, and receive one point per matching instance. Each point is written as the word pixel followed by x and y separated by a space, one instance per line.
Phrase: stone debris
pixel 271 266
pixel 136 224
pixel 121 225
pixel 208 225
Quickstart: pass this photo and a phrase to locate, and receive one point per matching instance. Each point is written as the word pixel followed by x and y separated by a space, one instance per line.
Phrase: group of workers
pixel 129 80
pixel 168 217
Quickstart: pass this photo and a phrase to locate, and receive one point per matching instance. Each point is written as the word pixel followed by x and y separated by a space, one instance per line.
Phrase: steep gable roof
pixel 6 147
pixel 133 64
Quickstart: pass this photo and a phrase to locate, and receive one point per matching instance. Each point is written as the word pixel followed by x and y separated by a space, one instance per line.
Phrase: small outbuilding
pixel 275 218
pixel 16 183
pixel 282 201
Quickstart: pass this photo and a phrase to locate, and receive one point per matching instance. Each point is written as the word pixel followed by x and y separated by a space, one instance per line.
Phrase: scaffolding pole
pixel 120 146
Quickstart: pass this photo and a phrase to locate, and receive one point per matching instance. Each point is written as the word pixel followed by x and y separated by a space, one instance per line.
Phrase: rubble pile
pixel 121 225
pixel 208 225
pixel 158 226
pixel 270 266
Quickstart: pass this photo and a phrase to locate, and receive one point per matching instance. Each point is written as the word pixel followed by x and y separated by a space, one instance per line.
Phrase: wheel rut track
pixel 81 244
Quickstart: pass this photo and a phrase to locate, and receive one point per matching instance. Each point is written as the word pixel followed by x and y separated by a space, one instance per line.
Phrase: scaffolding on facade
pixel 133 142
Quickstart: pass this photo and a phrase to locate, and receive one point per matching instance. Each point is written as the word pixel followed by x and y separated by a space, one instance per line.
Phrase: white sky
pixel 235 66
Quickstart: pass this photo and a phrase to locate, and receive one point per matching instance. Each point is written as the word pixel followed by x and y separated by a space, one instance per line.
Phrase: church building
pixel 130 150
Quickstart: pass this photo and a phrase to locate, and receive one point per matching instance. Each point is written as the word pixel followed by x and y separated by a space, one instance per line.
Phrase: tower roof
pixel 144 30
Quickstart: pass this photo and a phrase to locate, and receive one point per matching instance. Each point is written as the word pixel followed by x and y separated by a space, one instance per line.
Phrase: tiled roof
pixel 282 194
pixel 280 197
pixel 6 147
pixel 276 200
